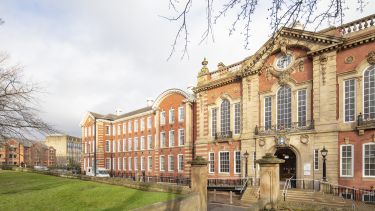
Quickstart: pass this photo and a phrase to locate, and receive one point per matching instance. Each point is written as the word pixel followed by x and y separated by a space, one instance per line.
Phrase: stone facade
pixel 68 148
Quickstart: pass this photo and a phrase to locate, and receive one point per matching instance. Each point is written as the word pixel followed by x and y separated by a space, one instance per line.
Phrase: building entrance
pixel 287 169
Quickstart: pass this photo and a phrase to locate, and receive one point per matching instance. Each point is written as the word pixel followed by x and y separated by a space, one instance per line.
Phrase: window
pixel 284 107
pixel 181 137
pixel 346 161
pixel 149 163
pixel 369 160
pixel 213 121
pixel 113 146
pixel 301 108
pixel 149 142
pixel 107 163
pixel 211 163
pixel 107 146
pixel 316 159
pixel 149 122
pixel 129 127
pixel 136 144
pixel 284 61
pixel 162 139
pixel 224 162
pixel 107 130
pixel 113 130
pixel 170 163
pixel 237 118
pixel 162 162
pixel 124 145
pixel 225 117
pixel 142 143
pixel 142 124
pixel 349 100
pixel 237 167
pixel 171 138
pixel 162 118
pixel 171 116
pixel 119 163
pixel 123 128
pixel 129 144
pixel 181 114
pixel 119 146
pixel 130 164
pixel 124 163
pixel 369 93
pixel 118 129
pixel 142 163
pixel 136 163
pixel 113 163
pixel 267 113
pixel 180 163
pixel 136 125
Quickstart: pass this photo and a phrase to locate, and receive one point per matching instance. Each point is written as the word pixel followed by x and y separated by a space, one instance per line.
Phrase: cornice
pixel 217 83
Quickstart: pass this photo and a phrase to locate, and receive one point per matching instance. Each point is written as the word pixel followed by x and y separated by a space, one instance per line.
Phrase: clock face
pixel 284 61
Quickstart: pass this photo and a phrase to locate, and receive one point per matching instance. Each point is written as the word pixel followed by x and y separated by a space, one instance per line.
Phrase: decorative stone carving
pixel 284 75
pixel 349 60
pixel 371 58
pixel 262 142
pixel 204 69
pixel 283 43
pixel 220 65
pixel 282 140
pixel 301 65
pixel 304 139
pixel 323 66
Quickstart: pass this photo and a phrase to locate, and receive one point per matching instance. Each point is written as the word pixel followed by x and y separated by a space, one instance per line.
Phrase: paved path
pixel 225 207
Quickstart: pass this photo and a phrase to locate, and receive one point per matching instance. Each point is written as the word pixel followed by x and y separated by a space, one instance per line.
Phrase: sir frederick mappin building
pixel 300 92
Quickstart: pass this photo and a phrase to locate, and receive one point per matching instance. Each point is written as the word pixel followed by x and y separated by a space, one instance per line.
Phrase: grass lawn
pixel 30 191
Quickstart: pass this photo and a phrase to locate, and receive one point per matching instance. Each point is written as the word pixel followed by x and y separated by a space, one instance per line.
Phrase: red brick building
pixel 155 140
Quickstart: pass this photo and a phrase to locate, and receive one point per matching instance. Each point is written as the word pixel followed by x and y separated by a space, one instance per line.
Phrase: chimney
pixel 118 111
pixel 150 102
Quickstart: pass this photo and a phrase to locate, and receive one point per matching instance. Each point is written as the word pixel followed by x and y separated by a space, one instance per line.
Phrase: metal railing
pixel 244 185
pixel 212 183
pixel 293 127
pixel 155 179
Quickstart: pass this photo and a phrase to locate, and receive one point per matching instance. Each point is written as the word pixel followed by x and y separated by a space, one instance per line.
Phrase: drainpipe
pixel 94 146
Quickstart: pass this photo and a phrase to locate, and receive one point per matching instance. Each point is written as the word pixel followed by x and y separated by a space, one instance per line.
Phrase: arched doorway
pixel 287 169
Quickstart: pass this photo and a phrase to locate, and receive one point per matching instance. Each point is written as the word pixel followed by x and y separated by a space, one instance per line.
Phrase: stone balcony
pixel 364 124
pixel 223 136
pixel 294 127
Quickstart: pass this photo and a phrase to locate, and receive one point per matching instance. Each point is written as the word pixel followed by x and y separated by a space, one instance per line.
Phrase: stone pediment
pixel 284 39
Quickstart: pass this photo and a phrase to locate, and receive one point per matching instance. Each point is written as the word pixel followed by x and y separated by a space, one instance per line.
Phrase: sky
pixel 92 55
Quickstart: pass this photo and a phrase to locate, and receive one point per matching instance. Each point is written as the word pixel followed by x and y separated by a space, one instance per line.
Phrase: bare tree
pixel 18 115
pixel 310 13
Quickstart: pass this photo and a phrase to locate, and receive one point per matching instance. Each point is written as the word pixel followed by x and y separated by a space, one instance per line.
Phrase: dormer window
pixel 284 61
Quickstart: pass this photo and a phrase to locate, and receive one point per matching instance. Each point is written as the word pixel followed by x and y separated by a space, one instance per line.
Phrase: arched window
pixel 369 93
pixel 225 117
pixel 284 107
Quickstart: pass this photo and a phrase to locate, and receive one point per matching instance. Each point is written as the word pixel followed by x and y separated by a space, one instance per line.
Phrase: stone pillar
pixel 269 180
pixel 199 175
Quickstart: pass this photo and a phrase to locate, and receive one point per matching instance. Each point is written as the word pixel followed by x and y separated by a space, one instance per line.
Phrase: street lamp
pixel 246 156
pixel 324 153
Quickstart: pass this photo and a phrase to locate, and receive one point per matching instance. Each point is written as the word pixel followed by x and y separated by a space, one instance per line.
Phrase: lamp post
pixel 246 156
pixel 324 153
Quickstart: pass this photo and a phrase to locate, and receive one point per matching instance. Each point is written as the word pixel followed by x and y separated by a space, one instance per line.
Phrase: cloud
pixel 103 55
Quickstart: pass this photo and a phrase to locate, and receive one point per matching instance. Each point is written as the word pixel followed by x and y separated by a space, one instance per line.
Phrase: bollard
pixel 230 197
pixel 214 194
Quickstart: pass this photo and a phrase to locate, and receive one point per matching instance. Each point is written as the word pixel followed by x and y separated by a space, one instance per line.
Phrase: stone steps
pixel 250 194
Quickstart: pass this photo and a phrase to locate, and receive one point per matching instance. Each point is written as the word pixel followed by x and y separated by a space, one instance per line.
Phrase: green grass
pixel 31 191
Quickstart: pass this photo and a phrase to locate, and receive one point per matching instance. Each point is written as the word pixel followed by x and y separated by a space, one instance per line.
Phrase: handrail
pixel 285 191
pixel 244 185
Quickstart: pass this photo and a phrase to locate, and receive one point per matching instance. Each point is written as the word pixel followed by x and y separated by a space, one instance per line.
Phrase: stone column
pixel 269 180
pixel 199 175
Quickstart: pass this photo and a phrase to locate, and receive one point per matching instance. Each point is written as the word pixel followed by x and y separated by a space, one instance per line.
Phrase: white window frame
pixel 142 163
pixel 124 145
pixel 107 163
pixel 220 162
pixel 136 144
pixel 142 143
pixel 119 163
pixel 235 124
pixel 149 142
pixel 130 127
pixel 181 114
pixel 162 164
pixel 149 122
pixel 171 139
pixel 135 163
pixel 179 169
pixel 234 163
pixel 169 163
pixel 265 107
pixel 124 128
pixel 142 124
pixel 107 130
pixel 149 164
pixel 124 163
pixel 130 163
pixel 107 146
pixel 179 137
pixel 136 125
pixel 355 100
pixel 162 118
pixel 118 129
pixel 363 160
pixel 352 166
pixel 119 146
pixel 209 163
pixel 130 145
pixel 113 146
pixel 171 116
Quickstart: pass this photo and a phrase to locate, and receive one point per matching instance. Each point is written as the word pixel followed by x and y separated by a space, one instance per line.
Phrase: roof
pixel 112 117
